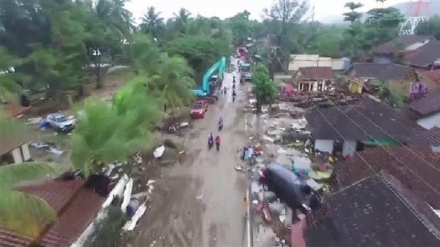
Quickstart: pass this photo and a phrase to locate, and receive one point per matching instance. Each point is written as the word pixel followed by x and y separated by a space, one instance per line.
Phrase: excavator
pixel 206 92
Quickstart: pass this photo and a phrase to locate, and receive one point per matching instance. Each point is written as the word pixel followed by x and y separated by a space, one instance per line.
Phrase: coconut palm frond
pixel 24 213
pixel 12 174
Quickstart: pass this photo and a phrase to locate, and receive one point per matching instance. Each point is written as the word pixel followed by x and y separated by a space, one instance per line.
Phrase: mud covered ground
pixel 199 202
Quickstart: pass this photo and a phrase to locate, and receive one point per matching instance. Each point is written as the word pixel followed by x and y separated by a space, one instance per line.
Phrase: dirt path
pixel 199 202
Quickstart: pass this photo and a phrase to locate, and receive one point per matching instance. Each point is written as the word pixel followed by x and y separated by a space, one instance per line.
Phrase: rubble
pixel 46 146
pixel 158 152
pixel 286 140
pixel 131 224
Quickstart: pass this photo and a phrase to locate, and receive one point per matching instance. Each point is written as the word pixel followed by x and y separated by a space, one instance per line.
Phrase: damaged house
pixel 374 211
pixel 417 167
pixel 389 51
pixel 395 77
pixel 429 137
pixel 369 122
pixel 425 57
pixel 384 197
pixel 426 110
pixel 314 79
pixel 430 78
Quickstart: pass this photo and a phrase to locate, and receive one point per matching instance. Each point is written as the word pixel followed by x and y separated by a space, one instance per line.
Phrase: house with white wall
pixel 367 123
pixel 14 149
pixel 314 60
pixel 314 79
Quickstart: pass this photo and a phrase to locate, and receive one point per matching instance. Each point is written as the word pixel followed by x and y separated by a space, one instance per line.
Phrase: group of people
pixel 225 89
pixel 211 139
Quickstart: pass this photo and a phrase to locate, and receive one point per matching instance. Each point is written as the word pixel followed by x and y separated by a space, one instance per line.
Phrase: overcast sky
pixel 228 8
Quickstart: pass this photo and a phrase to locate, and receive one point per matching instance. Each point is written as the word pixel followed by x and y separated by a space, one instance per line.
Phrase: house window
pixel 6 159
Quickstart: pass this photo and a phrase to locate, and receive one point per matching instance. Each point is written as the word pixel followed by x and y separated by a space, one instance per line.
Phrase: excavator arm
pixel 206 87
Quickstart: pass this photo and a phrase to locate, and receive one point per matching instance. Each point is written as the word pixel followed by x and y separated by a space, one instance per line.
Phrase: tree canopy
pixel 57 47
pixel 265 89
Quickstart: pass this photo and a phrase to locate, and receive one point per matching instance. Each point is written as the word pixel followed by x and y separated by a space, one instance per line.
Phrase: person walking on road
pixel 245 206
pixel 217 142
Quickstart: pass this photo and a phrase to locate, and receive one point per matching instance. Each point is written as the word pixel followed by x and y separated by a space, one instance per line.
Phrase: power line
pixel 345 114
pixel 371 168
pixel 412 151
pixel 368 164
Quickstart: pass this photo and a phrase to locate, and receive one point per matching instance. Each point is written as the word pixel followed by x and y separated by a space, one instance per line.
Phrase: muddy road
pixel 200 201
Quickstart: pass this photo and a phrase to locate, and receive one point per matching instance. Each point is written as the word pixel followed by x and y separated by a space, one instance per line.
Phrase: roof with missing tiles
pixel 423 56
pixel 399 43
pixel 361 122
pixel 369 213
pixel 417 167
pixel 429 137
pixel 380 71
pixel 428 104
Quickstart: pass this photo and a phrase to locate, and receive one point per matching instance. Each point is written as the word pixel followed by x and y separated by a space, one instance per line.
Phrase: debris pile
pixel 289 178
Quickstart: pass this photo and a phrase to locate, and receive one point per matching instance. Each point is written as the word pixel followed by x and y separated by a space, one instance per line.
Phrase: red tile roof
pixel 316 73
pixel 380 159
pixel 432 75
pixel 76 207
pixel 423 56
pixel 399 43
pixel 429 137
pixel 14 109
pixel 380 71
pixel 429 104
pixel 369 213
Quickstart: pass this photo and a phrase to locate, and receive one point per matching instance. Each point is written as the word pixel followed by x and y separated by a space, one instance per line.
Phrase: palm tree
pixel 181 19
pixel 174 80
pixel 19 211
pixel 9 78
pixel 199 26
pixel 153 23
pixel 352 16
pixel 108 132
pixel 114 17
pixel 109 25
pixel 144 55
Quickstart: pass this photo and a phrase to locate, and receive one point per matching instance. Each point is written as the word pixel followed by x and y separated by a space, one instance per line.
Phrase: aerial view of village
pixel 300 123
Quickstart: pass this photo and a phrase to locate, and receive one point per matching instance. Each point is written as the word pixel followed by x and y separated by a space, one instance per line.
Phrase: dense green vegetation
pixel 55 47
pixel 265 89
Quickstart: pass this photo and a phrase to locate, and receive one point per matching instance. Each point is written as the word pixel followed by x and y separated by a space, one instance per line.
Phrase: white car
pixel 60 122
